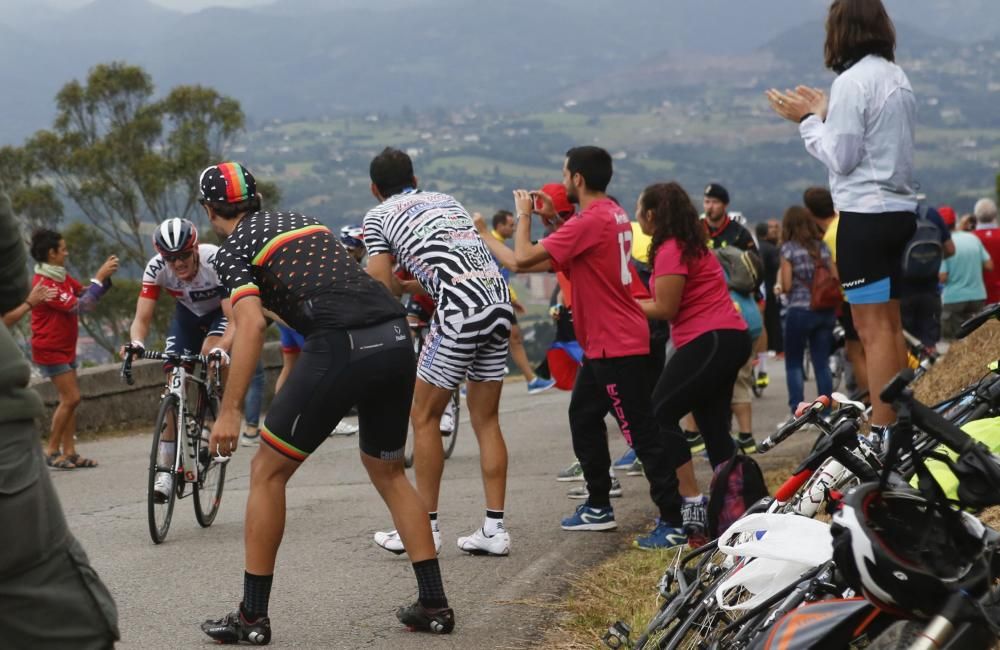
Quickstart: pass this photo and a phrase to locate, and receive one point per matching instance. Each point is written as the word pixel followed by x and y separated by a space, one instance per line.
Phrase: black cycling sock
pixel 745 435
pixel 434 520
pixel 691 434
pixel 429 584
pixel 494 514
pixel 256 594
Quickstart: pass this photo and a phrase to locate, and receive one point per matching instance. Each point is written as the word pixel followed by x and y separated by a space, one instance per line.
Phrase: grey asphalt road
pixel 333 588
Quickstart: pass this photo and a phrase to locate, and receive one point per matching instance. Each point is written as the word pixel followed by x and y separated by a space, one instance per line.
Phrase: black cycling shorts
pixel 870 254
pixel 372 368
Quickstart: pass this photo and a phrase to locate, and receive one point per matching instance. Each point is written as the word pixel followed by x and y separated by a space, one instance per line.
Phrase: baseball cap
pixel 716 191
pixel 947 215
pixel 557 191
pixel 227 182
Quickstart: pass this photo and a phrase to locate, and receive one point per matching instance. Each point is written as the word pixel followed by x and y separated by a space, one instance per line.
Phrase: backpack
pixel 748 310
pixel 825 291
pixel 924 252
pixel 736 485
pixel 744 269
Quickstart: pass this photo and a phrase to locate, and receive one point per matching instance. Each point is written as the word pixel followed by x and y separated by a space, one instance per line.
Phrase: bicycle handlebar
pixel 133 352
pixel 974 323
pixel 808 415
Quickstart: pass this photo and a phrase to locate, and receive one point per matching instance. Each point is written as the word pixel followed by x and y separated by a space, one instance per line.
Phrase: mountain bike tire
pixel 160 514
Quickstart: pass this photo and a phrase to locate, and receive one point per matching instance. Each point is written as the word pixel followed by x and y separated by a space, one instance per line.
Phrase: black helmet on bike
pixel 175 236
pixel 901 553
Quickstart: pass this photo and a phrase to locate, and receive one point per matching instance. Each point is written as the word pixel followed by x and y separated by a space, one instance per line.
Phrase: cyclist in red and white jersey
pixel 183 268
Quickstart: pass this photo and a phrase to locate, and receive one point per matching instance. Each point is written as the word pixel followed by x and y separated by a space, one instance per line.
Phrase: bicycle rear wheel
pixel 212 478
pixel 160 514
pixel 448 439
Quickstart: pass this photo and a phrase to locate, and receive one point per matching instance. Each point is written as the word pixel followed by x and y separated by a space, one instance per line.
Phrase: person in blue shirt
pixel 962 276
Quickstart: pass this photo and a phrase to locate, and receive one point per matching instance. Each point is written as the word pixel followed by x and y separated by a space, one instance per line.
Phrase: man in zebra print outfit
pixel 432 237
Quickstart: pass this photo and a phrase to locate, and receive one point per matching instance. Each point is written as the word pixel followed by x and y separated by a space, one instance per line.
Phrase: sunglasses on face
pixel 178 257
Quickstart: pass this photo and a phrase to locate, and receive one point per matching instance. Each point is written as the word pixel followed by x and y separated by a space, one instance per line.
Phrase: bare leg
pixel 484 411
pixel 409 515
pixel 744 417
pixel 881 332
pixel 64 417
pixel 518 353
pixel 856 355
pixel 429 403
pixel 265 515
pixel 687 483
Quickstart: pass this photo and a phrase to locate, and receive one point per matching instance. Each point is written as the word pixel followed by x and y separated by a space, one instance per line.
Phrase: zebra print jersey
pixel 300 271
pixel 432 236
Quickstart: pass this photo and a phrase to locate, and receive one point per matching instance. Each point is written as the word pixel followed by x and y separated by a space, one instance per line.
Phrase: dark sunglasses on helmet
pixel 177 257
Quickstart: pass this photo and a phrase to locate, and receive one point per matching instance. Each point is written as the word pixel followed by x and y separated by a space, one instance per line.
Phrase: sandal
pixel 58 461
pixel 80 461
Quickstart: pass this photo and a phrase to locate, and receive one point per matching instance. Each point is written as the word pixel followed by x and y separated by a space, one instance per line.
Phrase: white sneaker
pixel 478 543
pixel 394 544
pixel 162 486
pixel 344 429
pixel 248 440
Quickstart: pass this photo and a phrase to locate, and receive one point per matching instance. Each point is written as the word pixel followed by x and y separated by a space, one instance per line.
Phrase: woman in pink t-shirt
pixel 709 336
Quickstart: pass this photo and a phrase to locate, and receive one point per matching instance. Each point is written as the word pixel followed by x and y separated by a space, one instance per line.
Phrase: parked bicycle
pixel 776 581
pixel 188 407
pixel 452 414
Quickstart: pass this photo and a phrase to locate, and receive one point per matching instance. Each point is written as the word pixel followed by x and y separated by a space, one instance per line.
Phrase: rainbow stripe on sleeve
pixel 243 292
pixel 272 246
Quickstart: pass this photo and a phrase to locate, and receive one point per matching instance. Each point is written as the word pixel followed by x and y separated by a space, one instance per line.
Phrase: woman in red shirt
pixel 709 336
pixel 54 332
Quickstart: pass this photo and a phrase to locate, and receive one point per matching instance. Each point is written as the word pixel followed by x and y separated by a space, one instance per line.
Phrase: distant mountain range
pixel 300 58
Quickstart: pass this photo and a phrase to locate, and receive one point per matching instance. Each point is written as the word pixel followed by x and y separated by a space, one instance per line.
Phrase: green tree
pixel 127 161
pixel 33 200
pixel 109 323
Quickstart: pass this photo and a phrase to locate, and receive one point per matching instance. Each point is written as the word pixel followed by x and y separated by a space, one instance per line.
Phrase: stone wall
pixel 111 404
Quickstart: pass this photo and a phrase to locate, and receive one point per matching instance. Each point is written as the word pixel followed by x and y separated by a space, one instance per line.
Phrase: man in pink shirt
pixel 593 248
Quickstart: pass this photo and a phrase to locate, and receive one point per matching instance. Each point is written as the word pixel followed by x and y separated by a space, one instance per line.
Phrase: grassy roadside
pixel 624 586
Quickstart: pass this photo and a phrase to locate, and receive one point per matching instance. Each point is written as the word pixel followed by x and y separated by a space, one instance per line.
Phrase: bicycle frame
pixel 186 450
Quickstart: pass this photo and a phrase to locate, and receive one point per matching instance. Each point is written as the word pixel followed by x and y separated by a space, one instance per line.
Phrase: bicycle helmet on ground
pixel 899 551
pixel 352 236
pixel 175 235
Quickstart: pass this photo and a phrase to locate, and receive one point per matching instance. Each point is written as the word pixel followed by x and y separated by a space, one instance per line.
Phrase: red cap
pixel 557 191
pixel 947 215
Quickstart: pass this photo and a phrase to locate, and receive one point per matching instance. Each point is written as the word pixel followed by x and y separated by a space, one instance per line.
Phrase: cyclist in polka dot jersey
pixel 357 352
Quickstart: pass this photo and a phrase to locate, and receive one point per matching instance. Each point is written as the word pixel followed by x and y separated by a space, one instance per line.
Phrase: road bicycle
pixel 452 412
pixel 189 405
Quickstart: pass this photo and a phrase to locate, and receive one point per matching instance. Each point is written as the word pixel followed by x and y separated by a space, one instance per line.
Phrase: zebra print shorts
pixel 466 344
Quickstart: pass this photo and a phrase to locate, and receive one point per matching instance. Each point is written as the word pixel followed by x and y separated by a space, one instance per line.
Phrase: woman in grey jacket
pixel 864 134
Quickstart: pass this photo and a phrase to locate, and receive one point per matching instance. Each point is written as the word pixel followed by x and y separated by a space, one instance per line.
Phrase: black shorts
pixel 870 254
pixel 372 368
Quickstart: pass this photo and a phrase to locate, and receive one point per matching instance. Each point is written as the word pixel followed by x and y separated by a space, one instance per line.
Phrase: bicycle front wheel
pixel 208 491
pixel 160 508
pixel 212 478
